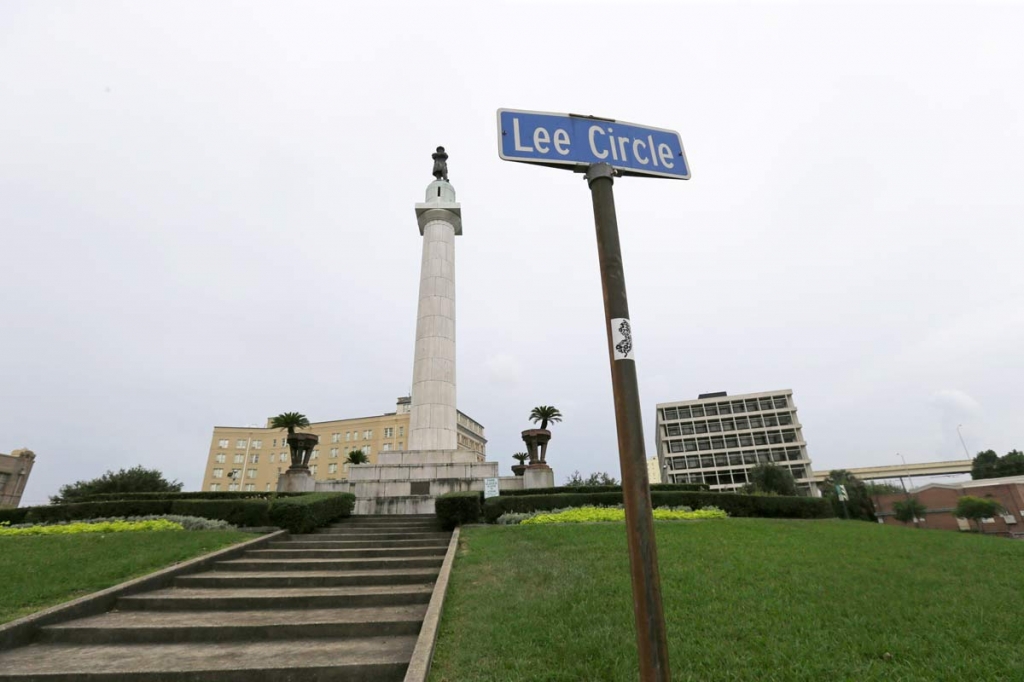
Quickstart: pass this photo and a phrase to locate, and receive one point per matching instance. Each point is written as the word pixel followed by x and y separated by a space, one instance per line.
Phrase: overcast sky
pixel 206 212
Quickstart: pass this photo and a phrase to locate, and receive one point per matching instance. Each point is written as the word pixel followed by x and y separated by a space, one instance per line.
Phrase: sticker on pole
pixel 622 339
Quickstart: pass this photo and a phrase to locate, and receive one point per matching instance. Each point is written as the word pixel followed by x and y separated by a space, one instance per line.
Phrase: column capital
pixel 448 211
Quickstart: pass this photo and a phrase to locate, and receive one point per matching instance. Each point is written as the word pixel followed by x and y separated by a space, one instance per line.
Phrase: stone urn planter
pixel 537 445
pixel 518 469
pixel 301 446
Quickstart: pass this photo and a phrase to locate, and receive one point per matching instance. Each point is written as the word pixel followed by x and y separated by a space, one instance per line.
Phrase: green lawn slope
pixel 41 571
pixel 745 599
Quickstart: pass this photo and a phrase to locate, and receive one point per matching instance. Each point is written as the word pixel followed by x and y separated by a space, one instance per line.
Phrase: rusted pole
pixel 652 643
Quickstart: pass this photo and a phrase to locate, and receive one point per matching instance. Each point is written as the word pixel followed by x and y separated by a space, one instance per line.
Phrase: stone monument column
pixel 432 420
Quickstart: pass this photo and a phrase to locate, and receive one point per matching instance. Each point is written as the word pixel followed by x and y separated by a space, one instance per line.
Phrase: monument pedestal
pixel 296 481
pixel 538 476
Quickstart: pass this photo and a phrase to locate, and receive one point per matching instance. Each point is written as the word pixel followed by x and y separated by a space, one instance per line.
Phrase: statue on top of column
pixel 440 164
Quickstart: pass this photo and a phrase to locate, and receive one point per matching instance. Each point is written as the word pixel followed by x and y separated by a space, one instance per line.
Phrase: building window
pixel 312 469
pixel 220 458
pixel 275 442
pixel 268 487
pixel 315 455
pixel 389 432
pixel 240 443
pixel 214 487
pixel 257 444
pixel 367 450
pixel 223 443
pixel 284 456
pixel 332 468
pixel 400 444
pixel 251 473
pixel 233 487
pixel 348 436
pixel 255 459
pixel 387 446
pixel 239 458
pixel 250 486
pixel 218 473
pixel 401 431
pixel 334 453
pixel 368 434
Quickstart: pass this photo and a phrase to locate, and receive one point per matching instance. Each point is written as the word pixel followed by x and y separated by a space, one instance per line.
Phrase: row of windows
pixel 235 473
pixel 389 432
pixel 215 487
pixel 244 444
pixel 731 477
pixel 740 441
pixel 748 457
pixel 779 402
pixel 737 424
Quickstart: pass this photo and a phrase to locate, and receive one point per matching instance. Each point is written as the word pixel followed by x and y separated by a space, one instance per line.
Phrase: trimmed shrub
pixel 694 487
pixel 732 503
pixel 194 495
pixel 101 527
pixel 92 510
pixel 14 515
pixel 235 512
pixel 455 509
pixel 308 512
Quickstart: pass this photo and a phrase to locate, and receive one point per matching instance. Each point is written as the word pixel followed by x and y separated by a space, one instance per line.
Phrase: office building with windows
pixel 251 458
pixel 717 438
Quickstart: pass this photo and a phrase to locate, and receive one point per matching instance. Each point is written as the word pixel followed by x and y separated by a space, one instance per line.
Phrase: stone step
pixel 238 598
pixel 315 660
pixel 352 564
pixel 229 579
pixel 360 535
pixel 142 627
pixel 380 528
pixel 308 542
pixel 345 553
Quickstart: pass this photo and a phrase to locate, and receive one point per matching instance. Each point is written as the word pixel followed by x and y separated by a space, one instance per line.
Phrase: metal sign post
pixel 604 148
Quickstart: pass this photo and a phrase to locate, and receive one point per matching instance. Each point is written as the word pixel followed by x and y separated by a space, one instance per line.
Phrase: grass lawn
pixel 745 599
pixel 41 571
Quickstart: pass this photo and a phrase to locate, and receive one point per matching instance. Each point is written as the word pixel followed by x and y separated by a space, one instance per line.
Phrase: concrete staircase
pixel 343 604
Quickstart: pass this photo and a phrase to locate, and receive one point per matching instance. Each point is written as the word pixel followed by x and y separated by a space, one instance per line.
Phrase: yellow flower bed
pixel 85 527
pixel 592 514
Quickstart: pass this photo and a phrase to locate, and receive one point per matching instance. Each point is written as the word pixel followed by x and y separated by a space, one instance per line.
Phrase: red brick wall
pixel 939 502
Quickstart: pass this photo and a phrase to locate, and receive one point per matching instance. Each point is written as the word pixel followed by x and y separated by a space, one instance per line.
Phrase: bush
pixel 235 512
pixel 136 479
pixel 194 495
pixel 94 510
pixel 187 522
pixel 594 514
pixel 694 487
pixel 100 527
pixel 732 503
pixel 308 512
pixel 455 509
pixel 15 515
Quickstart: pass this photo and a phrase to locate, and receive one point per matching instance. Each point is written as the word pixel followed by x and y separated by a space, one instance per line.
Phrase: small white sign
pixel 841 491
pixel 490 487
pixel 622 339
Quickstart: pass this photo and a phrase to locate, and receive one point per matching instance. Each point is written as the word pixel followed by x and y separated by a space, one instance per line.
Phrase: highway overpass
pixel 957 466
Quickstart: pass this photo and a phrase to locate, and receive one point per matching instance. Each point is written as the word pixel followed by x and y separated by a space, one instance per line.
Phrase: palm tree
pixel 521 457
pixel 357 457
pixel 545 414
pixel 290 421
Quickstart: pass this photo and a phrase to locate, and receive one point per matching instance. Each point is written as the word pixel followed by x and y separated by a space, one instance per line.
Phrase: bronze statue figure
pixel 440 164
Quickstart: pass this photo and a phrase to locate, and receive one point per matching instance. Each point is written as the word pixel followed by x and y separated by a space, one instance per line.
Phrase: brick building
pixel 940 499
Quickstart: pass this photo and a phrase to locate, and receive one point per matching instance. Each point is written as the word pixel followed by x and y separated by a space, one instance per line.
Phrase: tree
pixel 872 488
pixel 768 478
pixel 595 479
pixel 985 465
pixel 976 509
pixel 1011 464
pixel 134 480
pixel 521 457
pixel 860 505
pixel 357 457
pixel 909 510
pixel 545 414
pixel 290 421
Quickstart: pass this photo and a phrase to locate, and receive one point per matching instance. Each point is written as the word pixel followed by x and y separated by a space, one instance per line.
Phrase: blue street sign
pixel 575 142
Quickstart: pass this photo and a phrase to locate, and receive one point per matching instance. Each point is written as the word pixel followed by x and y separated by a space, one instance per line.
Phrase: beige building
pixel 653 471
pixel 14 471
pixel 717 438
pixel 251 458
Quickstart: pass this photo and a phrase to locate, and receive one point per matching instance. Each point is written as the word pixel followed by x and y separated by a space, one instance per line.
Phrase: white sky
pixel 206 217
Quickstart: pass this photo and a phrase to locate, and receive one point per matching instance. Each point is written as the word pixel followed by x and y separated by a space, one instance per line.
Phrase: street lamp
pixel 966 453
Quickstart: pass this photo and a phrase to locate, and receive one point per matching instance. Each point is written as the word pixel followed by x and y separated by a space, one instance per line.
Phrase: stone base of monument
pixel 407 482
pixel 538 476
pixel 296 481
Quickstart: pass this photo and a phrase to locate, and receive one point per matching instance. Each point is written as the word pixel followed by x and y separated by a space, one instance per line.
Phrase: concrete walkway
pixel 345 603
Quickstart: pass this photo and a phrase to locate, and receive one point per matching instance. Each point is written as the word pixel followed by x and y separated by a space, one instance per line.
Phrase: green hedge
pixel 93 510
pixel 13 515
pixel 732 503
pixel 195 495
pixel 311 511
pixel 455 509
pixel 252 513
pixel 693 487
